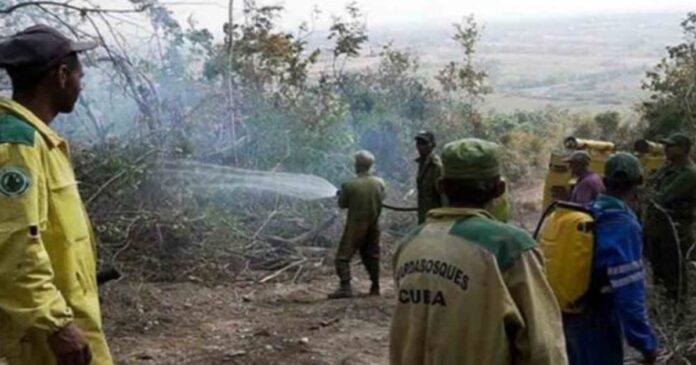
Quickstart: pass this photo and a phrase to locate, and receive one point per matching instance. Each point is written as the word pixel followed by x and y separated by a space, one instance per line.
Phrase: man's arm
pixel 343 197
pixel 627 280
pixel 27 293
pixel 433 175
pixel 629 296
pixel 382 189
pixel 539 339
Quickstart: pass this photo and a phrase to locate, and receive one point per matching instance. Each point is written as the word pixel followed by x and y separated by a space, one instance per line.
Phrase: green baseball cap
pixel 471 159
pixel 622 165
pixel 677 139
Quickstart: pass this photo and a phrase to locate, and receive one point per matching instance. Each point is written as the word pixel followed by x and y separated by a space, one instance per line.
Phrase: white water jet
pixel 211 176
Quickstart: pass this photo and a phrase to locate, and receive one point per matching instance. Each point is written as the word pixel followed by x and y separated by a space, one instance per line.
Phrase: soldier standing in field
pixel 429 172
pixel 669 222
pixel 362 197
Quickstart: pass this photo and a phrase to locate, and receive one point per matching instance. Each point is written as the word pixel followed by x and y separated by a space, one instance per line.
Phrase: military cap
pixel 578 156
pixel 38 48
pixel 678 139
pixel 471 158
pixel 426 136
pixel 622 165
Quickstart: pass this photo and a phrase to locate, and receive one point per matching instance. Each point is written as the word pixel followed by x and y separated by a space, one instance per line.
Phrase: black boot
pixel 372 266
pixel 374 289
pixel 343 291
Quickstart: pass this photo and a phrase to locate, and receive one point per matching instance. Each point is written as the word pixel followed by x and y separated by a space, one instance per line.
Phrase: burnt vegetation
pixel 263 98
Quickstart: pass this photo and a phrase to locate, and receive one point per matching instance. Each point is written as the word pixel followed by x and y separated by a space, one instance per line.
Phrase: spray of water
pixel 210 176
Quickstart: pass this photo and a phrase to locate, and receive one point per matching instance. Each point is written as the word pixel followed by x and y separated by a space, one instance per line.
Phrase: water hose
pixel 675 234
pixel 399 209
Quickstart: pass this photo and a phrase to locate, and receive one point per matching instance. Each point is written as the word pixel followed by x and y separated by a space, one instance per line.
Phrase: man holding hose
pixel 362 197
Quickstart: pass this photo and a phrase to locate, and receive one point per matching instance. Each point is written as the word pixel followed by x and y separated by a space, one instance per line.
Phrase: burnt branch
pixel 82 10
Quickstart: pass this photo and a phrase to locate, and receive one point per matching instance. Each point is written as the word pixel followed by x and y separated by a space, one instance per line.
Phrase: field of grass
pixel 590 63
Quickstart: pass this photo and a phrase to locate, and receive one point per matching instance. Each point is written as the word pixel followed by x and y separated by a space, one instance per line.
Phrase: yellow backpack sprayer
pixel 559 182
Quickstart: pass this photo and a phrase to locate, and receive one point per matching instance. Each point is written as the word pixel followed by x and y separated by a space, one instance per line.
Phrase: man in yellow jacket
pixel 49 305
pixel 470 289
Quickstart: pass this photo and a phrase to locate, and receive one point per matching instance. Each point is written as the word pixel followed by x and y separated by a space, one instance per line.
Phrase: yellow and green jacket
pixel 471 291
pixel 47 248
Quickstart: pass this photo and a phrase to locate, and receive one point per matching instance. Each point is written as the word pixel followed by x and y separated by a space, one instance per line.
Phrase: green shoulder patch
pixel 14 182
pixel 504 241
pixel 15 130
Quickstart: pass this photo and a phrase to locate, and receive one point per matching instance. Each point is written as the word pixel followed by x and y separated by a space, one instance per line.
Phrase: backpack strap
pixel 562 204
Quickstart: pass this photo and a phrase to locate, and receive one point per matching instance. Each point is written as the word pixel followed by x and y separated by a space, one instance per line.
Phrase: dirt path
pixel 280 322
pixel 272 323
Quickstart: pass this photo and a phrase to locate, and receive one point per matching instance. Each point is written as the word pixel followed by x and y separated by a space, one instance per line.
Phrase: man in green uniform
pixel 670 215
pixel 429 172
pixel 362 197
pixel 471 290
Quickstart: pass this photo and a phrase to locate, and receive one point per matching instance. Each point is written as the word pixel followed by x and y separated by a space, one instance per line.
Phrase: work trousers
pixel 363 237
pixel 668 256
pixel 593 340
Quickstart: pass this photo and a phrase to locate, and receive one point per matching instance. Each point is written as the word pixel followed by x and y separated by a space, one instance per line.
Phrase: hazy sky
pixel 212 13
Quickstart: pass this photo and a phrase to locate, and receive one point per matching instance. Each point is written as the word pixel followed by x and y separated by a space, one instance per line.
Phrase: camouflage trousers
pixel 360 237
pixel 667 253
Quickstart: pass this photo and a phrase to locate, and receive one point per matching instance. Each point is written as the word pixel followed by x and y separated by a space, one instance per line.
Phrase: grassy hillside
pixel 584 62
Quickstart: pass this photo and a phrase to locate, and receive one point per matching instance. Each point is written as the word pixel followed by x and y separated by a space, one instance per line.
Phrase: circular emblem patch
pixel 13 182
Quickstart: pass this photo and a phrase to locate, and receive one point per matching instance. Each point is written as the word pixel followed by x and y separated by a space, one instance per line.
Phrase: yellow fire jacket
pixel 471 291
pixel 47 248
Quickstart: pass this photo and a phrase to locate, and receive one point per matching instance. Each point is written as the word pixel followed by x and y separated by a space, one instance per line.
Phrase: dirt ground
pixel 280 322
pixel 287 320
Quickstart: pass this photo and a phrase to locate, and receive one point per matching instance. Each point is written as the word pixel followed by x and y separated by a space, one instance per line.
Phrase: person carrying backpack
pixel 614 306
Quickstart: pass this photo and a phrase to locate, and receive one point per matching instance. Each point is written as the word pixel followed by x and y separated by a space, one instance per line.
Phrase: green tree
pixel 608 123
pixel 349 36
pixel 672 85
pixel 463 76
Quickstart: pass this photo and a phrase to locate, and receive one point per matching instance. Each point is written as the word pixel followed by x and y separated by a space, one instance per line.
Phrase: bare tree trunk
pixel 229 83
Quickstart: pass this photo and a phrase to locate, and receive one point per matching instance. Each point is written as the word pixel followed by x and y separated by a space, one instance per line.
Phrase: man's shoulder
pixel 614 220
pixel 592 178
pixel 503 240
pixel 361 181
pixel 690 169
pixel 407 239
pixel 377 179
pixel 435 159
pixel 14 130
pixel 372 179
